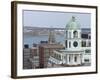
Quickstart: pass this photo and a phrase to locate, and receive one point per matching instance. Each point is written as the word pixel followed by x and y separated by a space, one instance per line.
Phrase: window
pixel 75 34
pixel 69 44
pixel 85 36
pixel 87 51
pixel 89 43
pixel 69 58
pixel 89 37
pixel 65 57
pixel 86 60
pixel 83 43
pixel 75 58
pixel 69 34
pixel 66 34
pixel 66 43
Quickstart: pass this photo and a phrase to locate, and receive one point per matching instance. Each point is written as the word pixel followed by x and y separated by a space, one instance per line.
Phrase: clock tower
pixel 73 54
pixel 73 35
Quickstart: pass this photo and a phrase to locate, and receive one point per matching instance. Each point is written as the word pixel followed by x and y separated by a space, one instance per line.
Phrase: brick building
pixel 45 51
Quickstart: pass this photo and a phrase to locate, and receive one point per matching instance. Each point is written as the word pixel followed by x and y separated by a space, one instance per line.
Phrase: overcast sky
pixel 54 19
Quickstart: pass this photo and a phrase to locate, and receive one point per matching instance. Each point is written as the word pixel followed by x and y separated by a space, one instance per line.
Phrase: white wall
pixel 5 41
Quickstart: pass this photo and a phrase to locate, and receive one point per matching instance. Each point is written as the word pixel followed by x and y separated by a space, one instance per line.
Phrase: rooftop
pixel 51 45
pixel 70 51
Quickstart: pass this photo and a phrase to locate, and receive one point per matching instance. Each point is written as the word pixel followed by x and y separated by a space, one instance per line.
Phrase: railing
pixel 53 60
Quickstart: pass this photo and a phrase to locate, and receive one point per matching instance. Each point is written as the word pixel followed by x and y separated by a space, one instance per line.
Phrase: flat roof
pixel 51 45
pixel 70 51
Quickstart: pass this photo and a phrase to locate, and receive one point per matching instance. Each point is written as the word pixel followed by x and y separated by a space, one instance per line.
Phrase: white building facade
pixel 74 53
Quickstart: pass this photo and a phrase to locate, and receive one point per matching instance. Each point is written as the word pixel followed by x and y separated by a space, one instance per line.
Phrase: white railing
pixel 53 60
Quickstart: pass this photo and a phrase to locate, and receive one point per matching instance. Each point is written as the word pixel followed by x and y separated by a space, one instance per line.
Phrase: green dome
pixel 73 24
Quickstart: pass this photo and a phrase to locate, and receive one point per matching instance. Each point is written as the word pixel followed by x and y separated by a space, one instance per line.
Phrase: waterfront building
pixel 77 49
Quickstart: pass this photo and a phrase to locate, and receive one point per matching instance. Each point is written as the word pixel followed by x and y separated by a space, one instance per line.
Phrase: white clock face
pixel 75 43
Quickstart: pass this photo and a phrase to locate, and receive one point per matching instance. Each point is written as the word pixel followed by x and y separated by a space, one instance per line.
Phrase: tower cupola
pixel 73 24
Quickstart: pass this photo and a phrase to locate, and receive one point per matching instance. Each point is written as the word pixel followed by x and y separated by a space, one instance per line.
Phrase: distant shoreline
pixel 36 31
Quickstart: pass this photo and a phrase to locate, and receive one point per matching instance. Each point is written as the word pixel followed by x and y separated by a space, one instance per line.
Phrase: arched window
pixel 75 34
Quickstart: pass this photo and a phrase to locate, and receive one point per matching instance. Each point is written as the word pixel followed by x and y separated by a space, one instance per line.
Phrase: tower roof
pixel 73 24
